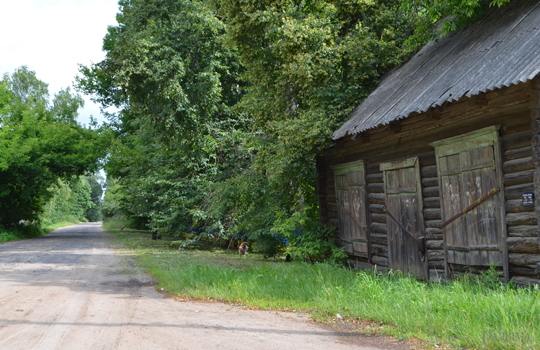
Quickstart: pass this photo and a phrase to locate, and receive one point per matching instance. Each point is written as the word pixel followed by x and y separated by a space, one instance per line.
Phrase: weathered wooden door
pixel 404 201
pixel 351 196
pixel 469 168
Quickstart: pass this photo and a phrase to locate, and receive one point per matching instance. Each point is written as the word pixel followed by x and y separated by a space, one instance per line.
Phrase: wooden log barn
pixel 437 172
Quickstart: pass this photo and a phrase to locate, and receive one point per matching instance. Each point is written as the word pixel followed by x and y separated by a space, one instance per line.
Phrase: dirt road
pixel 74 289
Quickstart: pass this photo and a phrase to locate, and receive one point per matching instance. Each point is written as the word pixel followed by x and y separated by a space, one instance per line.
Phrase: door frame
pixel 401 164
pixel 346 168
pixel 479 138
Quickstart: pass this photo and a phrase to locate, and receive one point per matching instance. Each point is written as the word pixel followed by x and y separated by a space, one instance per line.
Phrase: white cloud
pixel 52 37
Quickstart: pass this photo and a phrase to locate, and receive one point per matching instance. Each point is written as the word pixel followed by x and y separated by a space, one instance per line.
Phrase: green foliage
pixel 225 106
pixel 308 64
pixel 306 239
pixel 93 213
pixel 39 144
pixel 76 200
pixel 455 14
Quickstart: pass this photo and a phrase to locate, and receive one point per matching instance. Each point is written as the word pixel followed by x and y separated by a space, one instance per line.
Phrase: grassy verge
pixel 465 312
pixel 31 231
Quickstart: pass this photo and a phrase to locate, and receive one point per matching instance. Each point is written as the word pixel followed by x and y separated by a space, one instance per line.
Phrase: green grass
pixel 32 231
pixel 460 312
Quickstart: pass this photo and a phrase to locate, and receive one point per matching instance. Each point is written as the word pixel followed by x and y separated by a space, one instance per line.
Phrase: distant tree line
pixel 44 152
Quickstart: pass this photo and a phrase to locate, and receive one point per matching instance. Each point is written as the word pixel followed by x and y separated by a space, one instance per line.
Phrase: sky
pixel 52 37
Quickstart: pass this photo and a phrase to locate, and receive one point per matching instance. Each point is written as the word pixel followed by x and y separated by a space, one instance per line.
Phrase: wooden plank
pixel 472 140
pixel 463 122
pixel 470 248
pixel 404 201
pixel 347 168
pixel 398 164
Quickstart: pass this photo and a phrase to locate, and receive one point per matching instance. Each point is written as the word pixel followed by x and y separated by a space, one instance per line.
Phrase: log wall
pixel 513 109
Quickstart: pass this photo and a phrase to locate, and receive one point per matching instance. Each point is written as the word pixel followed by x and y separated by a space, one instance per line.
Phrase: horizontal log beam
pixel 434 202
pixel 380 250
pixel 376 208
pixel 429 171
pixel 517 165
pixel 521 177
pixel 517 140
pixel 522 271
pixel 379 260
pixel 516 206
pixel 374 178
pixel 435 255
pixel 524 281
pixel 436 274
pixel 428 192
pixel 434 244
pixel 523 152
pixel 375 188
pixel 436 264
pixel 379 239
pixel 376 198
pixel 432 214
pixel 378 218
pixel 515 219
pixel 516 191
pixel 433 223
pixel 524 231
pixel 523 245
pixel 433 233
pixel 520 259
pixel 378 228
pixel 430 182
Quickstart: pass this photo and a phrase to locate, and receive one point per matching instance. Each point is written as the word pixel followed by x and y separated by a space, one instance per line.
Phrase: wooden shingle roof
pixel 501 50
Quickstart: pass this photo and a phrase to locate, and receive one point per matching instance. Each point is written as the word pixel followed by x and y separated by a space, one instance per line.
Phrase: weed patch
pixel 460 312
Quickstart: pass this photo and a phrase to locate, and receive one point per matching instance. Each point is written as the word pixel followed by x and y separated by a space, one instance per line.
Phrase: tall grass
pixel 467 312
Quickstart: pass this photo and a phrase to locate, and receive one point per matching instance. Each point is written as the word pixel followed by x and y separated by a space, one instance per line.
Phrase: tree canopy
pixel 225 105
pixel 40 143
